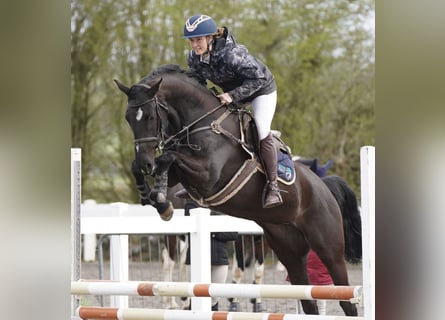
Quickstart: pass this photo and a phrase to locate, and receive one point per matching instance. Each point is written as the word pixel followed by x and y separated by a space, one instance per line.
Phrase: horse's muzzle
pixel 145 167
pixel 148 169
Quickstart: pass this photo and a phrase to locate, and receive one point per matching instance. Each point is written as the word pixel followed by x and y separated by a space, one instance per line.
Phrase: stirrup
pixel 183 194
pixel 271 200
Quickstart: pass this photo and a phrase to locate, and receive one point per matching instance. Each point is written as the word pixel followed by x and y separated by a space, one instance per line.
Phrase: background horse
pixel 203 147
pixel 249 249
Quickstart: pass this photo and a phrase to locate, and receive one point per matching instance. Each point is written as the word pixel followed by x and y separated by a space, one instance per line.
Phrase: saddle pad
pixel 285 166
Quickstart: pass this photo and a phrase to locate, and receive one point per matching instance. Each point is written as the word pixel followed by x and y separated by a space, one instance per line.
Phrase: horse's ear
pixel 122 87
pixel 155 86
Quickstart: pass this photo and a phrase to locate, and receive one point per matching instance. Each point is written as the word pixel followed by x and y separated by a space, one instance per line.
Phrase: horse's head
pixel 143 116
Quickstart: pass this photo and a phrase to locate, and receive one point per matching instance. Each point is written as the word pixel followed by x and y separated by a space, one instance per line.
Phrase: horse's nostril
pixel 145 170
pixel 148 169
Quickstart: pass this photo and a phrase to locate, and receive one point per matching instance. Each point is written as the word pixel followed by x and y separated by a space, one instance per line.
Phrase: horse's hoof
pixel 234 307
pixel 167 214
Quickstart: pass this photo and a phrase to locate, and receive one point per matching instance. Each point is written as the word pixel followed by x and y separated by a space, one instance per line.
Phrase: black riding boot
pixel 268 154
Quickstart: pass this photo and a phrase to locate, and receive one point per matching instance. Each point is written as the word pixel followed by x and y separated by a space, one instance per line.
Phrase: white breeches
pixel 263 112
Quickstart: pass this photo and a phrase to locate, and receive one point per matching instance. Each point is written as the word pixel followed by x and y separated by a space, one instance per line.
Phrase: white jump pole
pixel 76 155
pixel 223 290
pixel 367 168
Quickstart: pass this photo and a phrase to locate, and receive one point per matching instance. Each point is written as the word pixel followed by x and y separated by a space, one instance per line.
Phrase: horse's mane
pixel 171 69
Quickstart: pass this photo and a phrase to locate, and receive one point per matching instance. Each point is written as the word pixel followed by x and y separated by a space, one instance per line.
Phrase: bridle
pixel 159 138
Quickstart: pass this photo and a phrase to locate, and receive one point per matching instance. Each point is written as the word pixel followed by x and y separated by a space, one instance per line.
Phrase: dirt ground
pixel 144 271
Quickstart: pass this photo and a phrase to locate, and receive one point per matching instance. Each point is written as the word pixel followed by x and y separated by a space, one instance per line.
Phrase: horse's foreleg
pixel 259 275
pixel 164 208
pixel 182 257
pixel 186 301
pixel 159 197
pixel 259 272
pixel 183 275
pixel 159 193
pixel 141 184
pixel 237 273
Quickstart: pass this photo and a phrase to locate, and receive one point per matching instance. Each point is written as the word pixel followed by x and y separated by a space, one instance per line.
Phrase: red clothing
pixel 316 270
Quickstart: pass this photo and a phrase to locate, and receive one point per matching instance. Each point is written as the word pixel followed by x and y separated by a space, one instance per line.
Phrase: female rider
pixel 215 56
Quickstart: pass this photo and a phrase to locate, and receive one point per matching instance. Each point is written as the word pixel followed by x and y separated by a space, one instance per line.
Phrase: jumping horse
pixel 182 133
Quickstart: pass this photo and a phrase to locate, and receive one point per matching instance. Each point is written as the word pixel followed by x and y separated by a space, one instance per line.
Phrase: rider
pixel 215 56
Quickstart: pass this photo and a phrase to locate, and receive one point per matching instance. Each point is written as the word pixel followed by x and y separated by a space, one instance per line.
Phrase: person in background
pixel 215 56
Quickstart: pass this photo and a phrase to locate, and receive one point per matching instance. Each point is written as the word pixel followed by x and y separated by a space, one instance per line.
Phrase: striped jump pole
pixel 222 290
pixel 160 314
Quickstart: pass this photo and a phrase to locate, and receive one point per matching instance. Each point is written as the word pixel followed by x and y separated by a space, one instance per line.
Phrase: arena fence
pixel 199 225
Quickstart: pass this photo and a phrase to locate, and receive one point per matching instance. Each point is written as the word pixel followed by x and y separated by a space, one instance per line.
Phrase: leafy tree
pixel 320 53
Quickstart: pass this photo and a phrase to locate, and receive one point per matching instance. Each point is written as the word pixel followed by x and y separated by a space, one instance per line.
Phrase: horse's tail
pixel 352 225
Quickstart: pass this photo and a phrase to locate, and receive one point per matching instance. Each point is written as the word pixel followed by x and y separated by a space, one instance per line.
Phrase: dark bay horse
pixel 183 133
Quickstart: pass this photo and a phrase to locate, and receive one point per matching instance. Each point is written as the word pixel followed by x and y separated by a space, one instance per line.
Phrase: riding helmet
pixel 198 26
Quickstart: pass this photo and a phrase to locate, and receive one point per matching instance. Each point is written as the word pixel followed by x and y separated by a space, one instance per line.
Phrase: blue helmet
pixel 198 26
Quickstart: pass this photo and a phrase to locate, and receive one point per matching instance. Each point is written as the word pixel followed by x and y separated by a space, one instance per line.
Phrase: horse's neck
pixel 188 104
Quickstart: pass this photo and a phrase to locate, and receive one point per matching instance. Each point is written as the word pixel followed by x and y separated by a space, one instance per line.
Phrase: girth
pixel 241 177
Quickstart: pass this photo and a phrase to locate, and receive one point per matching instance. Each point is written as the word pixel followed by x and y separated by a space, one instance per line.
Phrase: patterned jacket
pixel 231 67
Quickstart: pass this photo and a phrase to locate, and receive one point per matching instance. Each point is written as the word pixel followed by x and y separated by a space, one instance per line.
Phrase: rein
pixel 186 128
pixel 215 126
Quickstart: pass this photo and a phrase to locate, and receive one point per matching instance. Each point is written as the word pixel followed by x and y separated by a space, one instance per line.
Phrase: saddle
pixel 285 164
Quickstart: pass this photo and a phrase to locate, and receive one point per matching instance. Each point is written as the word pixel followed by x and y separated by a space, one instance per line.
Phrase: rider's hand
pixel 225 98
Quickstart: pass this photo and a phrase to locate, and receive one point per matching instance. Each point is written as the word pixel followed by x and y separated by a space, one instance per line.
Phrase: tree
pixel 320 53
